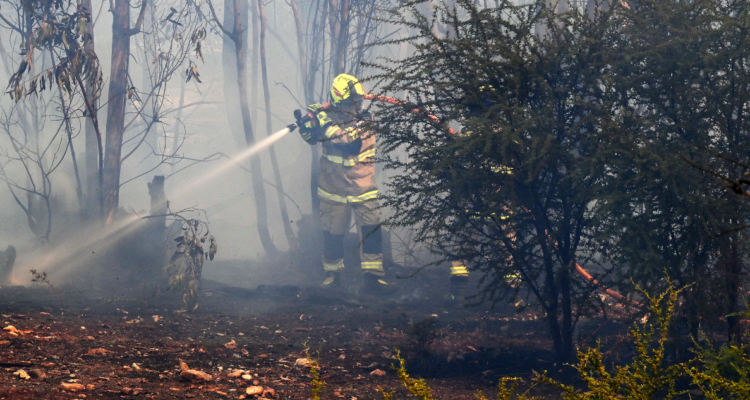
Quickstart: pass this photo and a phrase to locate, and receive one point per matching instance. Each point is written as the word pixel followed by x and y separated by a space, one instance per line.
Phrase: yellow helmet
pixel 346 88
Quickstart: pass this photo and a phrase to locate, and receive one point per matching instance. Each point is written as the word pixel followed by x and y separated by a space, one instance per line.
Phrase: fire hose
pixel 301 120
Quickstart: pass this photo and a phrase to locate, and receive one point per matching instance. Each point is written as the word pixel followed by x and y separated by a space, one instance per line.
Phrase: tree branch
pixel 137 28
pixel 213 14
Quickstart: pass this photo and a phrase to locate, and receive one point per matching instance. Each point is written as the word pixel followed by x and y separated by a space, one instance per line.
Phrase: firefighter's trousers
pixel 335 217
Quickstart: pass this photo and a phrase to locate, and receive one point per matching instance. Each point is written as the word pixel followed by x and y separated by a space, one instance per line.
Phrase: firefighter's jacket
pixel 347 166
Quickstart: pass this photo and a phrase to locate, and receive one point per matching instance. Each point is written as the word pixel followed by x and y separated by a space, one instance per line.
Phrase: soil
pixel 127 343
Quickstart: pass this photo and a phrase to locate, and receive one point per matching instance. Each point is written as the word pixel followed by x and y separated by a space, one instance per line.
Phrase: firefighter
pixel 346 183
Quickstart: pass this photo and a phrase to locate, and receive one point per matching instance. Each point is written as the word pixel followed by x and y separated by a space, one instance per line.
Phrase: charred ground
pixel 126 342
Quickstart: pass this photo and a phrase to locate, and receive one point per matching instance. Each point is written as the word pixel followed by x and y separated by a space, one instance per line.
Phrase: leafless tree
pixel 237 34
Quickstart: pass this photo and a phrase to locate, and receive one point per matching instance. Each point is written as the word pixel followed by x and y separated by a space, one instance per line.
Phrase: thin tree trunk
pixel 100 146
pixel 255 60
pixel 301 50
pixel 274 163
pixel 343 38
pixel 147 86
pixel 567 317
pixel 733 274
pixel 91 150
pixel 261 206
pixel 231 91
pixel 308 83
pixel 69 132
pixel 118 92
pixel 176 134
pixel 118 88
pixel 335 22
pixel 554 327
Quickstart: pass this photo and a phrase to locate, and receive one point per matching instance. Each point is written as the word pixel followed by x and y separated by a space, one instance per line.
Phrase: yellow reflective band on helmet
pixel 348 199
pixel 372 265
pixel 459 270
pixel 350 162
pixel 340 88
pixel 334 266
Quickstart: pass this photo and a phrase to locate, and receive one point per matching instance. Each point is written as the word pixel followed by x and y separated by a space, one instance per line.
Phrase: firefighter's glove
pixel 314 108
pixel 310 131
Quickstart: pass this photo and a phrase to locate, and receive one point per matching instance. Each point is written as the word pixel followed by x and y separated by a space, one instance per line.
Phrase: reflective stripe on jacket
pixel 347 166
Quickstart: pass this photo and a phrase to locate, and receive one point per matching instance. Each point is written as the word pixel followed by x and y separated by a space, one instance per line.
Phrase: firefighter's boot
pixel 332 281
pixel 375 285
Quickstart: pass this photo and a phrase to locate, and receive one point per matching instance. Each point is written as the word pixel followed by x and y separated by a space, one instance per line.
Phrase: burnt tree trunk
pixel 159 205
pixel 274 162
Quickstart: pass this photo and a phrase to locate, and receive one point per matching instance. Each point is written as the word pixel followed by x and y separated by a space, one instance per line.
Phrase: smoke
pixel 220 188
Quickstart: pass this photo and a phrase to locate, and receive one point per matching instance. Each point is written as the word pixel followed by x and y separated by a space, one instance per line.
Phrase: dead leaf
pixel 378 372
pixel 21 374
pixel 72 387
pixel 247 377
pixel 193 375
pixel 97 352
pixel 244 352
pixel 302 362
pixel 235 374
pixel 231 345
pixel 254 390
pixel 10 328
pixel 270 392
pixel 4 343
